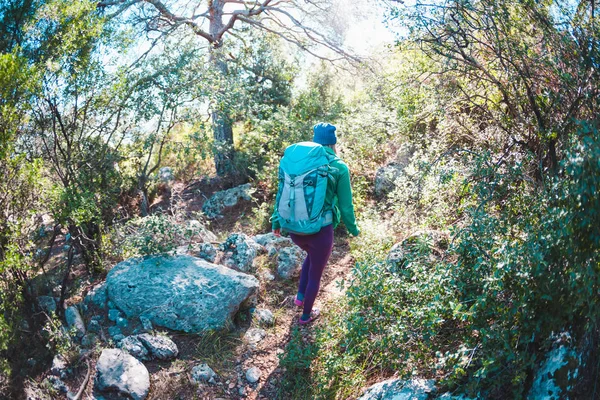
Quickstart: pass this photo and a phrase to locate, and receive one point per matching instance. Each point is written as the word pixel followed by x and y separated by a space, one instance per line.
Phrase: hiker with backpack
pixel 314 194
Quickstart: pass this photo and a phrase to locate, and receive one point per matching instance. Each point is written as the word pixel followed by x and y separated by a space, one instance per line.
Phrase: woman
pixel 338 200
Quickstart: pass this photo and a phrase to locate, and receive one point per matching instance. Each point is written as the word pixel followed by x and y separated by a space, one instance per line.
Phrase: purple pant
pixel 318 247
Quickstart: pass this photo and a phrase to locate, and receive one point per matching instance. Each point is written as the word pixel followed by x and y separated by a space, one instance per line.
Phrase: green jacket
pixel 338 197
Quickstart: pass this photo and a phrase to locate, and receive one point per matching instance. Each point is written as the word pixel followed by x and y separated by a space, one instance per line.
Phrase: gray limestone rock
pixel 165 174
pixel 114 331
pixel 240 251
pixel 272 243
pixel 134 346
pixel 214 206
pixel 205 251
pixel 74 321
pixel 122 322
pixel 57 384
pixel 386 178
pixel 264 317
pixel 253 375
pixel 96 296
pixel 113 315
pixel 59 366
pixel 146 324
pixel 203 373
pixel 397 389
pixel 254 335
pixel 557 374
pixel 89 340
pixel 161 347
pixel 195 231
pixel 94 326
pixel 117 371
pixel 182 293
pixel 47 304
pixel 289 262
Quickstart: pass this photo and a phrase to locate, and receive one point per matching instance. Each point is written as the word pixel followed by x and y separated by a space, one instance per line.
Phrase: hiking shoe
pixel 297 302
pixel 313 315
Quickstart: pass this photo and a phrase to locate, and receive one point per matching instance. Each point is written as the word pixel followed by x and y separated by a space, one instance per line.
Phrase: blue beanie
pixel 324 133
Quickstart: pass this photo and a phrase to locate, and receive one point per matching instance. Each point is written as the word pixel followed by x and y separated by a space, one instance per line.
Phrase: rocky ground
pixel 239 362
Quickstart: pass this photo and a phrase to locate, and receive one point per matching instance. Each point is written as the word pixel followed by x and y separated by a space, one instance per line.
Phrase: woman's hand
pixel 277 232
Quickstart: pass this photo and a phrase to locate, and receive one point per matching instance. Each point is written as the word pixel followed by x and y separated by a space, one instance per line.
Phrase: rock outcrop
pixel 240 251
pixel 214 206
pixel 182 293
pixel 397 389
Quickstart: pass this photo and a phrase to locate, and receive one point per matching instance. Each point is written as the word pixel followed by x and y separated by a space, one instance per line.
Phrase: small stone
pixel 114 331
pixel 231 385
pixel 59 366
pixel 110 304
pixel 114 315
pixel 267 276
pixel 94 326
pixel 264 317
pixel 135 347
pixel 47 304
pixel 203 373
pixel 160 347
pixel 118 338
pixel 242 391
pixel 146 324
pixel 253 375
pixel 254 335
pixel 89 340
pixel 119 373
pixel 122 322
pixel 57 384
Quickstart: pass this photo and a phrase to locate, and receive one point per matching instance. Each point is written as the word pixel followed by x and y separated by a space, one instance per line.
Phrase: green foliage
pixel 297 359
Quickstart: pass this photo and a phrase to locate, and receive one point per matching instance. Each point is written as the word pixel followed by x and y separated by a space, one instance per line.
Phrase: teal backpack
pixel 303 174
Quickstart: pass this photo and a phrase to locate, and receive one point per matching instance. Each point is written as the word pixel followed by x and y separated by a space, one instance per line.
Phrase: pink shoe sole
pixel 297 302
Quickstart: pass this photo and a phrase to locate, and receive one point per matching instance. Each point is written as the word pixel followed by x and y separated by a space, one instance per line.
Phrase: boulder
pixel 74 321
pixel 240 251
pixel 397 389
pixel 134 346
pixel 557 374
pixel 47 304
pixel 272 243
pixel 253 375
pixel 117 371
pixel 289 262
pixel 203 373
pixel 182 293
pixel 214 206
pixel 161 347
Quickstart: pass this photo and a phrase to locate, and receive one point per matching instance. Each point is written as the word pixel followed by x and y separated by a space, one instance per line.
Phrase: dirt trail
pixel 227 352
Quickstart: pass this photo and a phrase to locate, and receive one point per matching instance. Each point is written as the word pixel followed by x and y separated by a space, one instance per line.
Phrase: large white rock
pixel 182 293
pixel 117 371
pixel 397 389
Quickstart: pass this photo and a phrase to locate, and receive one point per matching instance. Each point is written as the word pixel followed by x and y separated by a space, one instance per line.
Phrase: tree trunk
pixel 222 123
